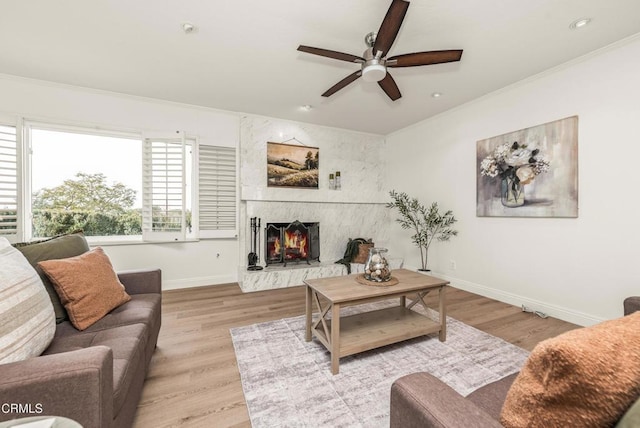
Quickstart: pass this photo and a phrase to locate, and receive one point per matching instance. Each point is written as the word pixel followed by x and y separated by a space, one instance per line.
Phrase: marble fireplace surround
pixel 339 221
pixel 356 211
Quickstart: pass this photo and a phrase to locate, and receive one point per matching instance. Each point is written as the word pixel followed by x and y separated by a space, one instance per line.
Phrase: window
pixel 8 181
pixel 81 180
pixel 115 186
pixel 167 209
pixel 217 191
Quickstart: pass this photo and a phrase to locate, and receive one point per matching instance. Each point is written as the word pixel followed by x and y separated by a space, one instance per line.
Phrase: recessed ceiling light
pixel 436 95
pixel 188 27
pixel 306 107
pixel 579 23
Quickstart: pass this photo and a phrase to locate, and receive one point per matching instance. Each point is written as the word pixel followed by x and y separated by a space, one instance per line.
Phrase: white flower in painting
pixel 542 165
pixel 517 163
pixel 526 174
pixel 518 157
pixel 489 167
pixel 501 152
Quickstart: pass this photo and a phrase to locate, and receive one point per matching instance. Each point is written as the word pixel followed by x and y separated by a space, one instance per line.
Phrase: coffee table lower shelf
pixel 370 330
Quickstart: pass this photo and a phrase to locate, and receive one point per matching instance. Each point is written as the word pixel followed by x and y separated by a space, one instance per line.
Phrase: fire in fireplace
pixel 287 242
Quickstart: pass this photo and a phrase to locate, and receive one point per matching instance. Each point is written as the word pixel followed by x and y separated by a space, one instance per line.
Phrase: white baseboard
pixel 554 311
pixel 175 284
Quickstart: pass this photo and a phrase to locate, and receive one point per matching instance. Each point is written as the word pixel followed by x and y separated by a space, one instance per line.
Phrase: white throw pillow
pixel 27 320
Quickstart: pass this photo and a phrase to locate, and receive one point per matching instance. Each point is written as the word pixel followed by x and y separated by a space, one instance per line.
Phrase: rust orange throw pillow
pixel 586 377
pixel 87 285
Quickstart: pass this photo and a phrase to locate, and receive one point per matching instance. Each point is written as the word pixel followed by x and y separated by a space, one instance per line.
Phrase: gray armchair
pixel 631 304
pixel 421 400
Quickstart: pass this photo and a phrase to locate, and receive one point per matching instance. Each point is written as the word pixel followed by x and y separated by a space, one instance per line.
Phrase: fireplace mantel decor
pixel 292 242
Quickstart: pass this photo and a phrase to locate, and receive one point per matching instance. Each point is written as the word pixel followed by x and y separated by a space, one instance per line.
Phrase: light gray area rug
pixel 287 382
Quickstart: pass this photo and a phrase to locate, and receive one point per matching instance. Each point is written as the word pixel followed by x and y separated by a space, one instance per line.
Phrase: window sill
pixel 107 241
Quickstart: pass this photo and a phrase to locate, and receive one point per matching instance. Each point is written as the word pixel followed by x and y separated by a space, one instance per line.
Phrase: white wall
pixel 576 269
pixel 183 264
pixel 356 155
pixel 579 269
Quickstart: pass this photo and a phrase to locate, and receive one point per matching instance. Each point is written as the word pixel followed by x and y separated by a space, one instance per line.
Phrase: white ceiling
pixel 242 56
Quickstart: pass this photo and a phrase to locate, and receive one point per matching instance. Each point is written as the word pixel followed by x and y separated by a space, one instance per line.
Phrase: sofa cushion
pixel 128 344
pixel 87 285
pixel 27 320
pixel 141 309
pixel 60 247
pixel 587 377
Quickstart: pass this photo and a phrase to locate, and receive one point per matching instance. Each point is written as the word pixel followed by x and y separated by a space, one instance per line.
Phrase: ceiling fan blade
pixel 424 58
pixel 390 26
pixel 330 54
pixel 341 84
pixel 390 88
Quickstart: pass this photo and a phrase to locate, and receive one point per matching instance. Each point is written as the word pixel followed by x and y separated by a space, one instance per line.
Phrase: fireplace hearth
pixel 292 242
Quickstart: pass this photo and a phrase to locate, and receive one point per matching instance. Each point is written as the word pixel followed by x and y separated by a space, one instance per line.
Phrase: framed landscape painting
pixel 292 166
pixel 529 173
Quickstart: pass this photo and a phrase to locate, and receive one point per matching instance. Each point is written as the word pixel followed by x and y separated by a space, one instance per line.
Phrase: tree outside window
pixel 87 202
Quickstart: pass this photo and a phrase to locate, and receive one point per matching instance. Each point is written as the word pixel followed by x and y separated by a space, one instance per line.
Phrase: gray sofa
pixel 95 376
pixel 422 400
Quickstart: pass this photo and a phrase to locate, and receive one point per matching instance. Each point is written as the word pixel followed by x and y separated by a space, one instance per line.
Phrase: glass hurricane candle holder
pixel 376 267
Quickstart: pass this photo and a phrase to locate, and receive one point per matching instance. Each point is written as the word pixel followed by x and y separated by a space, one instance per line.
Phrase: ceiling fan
pixel 374 61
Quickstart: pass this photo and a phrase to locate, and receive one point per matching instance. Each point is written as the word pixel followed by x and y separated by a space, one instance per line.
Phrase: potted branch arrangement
pixel 427 223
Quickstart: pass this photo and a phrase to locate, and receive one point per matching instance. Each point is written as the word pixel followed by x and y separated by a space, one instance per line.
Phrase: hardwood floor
pixel 194 381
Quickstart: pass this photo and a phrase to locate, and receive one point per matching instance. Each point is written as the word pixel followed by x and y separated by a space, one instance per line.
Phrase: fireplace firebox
pixel 292 242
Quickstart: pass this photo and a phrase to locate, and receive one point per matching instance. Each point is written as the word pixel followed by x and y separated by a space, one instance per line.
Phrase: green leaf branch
pixel 426 223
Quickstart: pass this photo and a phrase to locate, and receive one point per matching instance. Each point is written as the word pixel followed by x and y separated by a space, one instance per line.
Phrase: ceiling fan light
pixel 374 73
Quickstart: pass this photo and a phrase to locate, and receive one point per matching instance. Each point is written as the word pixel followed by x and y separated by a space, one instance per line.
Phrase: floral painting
pixel 529 173
pixel 292 166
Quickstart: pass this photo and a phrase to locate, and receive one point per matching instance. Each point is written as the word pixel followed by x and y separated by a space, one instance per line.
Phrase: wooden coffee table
pixel 368 330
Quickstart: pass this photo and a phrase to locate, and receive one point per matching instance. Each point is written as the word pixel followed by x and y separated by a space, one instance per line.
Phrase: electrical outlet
pixel 452 264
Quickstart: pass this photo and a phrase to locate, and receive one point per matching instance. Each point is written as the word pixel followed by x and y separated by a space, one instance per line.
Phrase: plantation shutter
pixel 8 182
pixel 163 188
pixel 217 192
